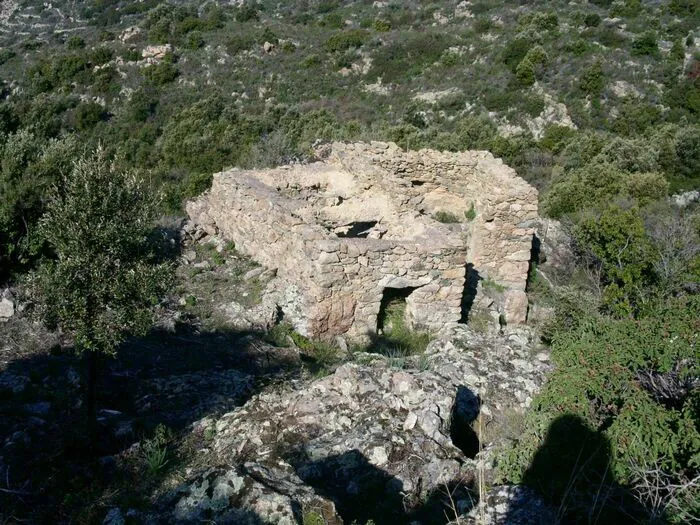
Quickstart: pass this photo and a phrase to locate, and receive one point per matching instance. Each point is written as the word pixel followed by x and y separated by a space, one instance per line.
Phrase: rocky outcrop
pixel 370 220
pixel 378 439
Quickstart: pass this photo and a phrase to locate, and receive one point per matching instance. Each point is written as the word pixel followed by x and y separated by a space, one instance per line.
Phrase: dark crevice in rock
pixel 363 492
pixel 465 410
pixel 360 229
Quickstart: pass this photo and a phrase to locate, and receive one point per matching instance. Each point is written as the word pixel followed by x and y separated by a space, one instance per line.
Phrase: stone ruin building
pixel 371 222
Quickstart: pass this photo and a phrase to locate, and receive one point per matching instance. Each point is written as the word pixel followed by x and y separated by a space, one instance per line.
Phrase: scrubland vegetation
pixel 595 103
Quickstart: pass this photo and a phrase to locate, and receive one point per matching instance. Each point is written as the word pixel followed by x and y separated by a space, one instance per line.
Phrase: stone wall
pixel 345 229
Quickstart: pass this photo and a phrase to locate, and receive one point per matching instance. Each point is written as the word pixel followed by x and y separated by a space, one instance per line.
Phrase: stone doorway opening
pixel 395 310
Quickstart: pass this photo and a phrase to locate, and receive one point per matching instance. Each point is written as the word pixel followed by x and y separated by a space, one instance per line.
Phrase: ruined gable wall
pixel 498 247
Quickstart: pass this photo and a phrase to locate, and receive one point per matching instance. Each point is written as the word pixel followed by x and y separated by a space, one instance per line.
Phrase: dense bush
pixel 645 45
pixel 598 362
pixel 598 183
pixel 161 74
pixel 346 40
pixel 408 55
pixel 207 137
pixel 593 80
pixel 29 166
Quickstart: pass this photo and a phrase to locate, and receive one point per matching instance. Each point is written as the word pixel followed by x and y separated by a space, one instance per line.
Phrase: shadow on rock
pixel 362 492
pixel 173 379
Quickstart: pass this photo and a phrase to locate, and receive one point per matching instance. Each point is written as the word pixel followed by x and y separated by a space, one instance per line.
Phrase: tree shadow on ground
pixel 165 378
pixel 572 471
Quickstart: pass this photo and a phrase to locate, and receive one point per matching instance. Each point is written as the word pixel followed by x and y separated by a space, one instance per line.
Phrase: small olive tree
pixel 106 278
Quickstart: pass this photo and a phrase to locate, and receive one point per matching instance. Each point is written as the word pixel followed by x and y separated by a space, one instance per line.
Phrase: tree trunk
pixel 91 399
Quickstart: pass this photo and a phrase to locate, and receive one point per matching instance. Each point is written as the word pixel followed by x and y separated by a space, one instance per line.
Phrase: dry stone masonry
pixel 359 227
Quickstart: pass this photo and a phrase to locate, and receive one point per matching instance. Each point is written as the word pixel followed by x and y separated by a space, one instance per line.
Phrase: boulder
pixel 7 306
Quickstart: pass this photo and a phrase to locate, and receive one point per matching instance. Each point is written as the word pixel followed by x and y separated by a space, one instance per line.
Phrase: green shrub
pixel 311 61
pixel 645 45
pixel 161 74
pixel 130 55
pixel 679 152
pixel 474 132
pixel 619 246
pixel 470 214
pixel 682 7
pixel 684 97
pixel 381 25
pixel 194 40
pixel 6 54
pixel 482 25
pixel 598 183
pixel 539 21
pixel 537 55
pixel 29 167
pixel 610 37
pixel 525 72
pixel 346 40
pixel 578 47
pixel 239 43
pixel 246 12
pixel 500 100
pixel 446 217
pixel 326 6
pixel 533 104
pixel 207 136
pixel 87 114
pixel 556 137
pixel 592 20
pixel 628 9
pixel 629 154
pixel 593 79
pixel 100 55
pixel 408 56
pixel 635 117
pixel 75 42
pixel 583 148
pixel 333 20
pixel 268 35
pixel 288 47
pixel 515 52
pixel 155 450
